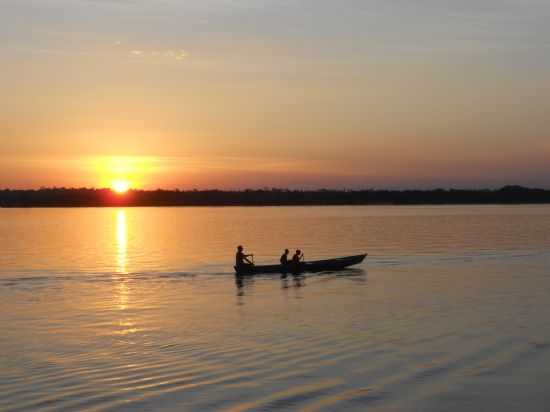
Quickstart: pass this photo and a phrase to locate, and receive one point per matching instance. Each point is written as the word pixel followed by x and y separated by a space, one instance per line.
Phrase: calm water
pixel 138 309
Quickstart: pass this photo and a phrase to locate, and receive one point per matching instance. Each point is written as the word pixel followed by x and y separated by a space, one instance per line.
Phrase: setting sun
pixel 120 186
pixel 122 173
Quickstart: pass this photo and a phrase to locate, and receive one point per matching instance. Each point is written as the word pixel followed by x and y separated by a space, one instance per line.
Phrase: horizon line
pixel 283 189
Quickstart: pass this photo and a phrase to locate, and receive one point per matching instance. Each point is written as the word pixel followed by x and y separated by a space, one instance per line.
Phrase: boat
pixel 313 266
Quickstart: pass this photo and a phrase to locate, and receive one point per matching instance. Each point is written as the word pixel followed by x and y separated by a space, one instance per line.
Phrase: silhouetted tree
pixel 81 197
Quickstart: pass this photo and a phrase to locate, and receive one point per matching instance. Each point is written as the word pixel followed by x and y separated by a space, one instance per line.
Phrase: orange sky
pixel 252 94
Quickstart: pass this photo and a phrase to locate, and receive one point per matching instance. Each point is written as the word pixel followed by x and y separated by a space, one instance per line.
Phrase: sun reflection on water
pixel 122 296
pixel 121 241
pixel 122 289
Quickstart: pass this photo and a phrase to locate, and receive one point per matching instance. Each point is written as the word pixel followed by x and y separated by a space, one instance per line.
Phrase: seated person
pixel 296 259
pixel 284 258
pixel 298 256
pixel 241 259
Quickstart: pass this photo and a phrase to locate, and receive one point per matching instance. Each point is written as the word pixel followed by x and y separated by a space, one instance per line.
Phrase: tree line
pixel 87 197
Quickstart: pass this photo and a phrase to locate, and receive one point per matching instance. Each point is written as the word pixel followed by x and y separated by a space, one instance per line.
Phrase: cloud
pixel 61 52
pixel 112 2
pixel 168 54
pixel 175 54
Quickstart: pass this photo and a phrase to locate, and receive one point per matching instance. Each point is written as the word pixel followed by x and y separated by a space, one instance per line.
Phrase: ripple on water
pixel 431 320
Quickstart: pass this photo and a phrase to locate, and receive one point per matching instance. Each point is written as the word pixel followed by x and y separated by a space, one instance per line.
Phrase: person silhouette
pixel 284 258
pixel 241 259
pixel 296 260
pixel 298 256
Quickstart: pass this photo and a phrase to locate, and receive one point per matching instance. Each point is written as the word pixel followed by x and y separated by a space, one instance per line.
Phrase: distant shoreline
pixel 67 197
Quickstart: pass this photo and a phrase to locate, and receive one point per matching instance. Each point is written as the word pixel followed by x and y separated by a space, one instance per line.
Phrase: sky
pixel 233 94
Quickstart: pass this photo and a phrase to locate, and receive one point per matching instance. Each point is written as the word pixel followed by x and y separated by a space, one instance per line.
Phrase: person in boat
pixel 241 259
pixel 284 263
pixel 298 256
pixel 296 260
pixel 284 258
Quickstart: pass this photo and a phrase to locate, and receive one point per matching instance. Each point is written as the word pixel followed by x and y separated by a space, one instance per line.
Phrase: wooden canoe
pixel 313 266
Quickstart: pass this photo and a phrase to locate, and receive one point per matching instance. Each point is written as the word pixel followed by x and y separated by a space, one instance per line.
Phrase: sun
pixel 120 186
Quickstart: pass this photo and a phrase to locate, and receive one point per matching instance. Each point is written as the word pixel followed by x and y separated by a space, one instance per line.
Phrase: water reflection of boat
pixel 313 266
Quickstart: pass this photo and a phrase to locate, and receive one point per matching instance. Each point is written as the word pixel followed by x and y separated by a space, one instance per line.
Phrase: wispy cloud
pixel 168 54
pixel 61 52
pixel 120 48
pixel 111 1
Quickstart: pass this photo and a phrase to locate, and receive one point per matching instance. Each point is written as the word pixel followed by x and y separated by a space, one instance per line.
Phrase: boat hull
pixel 312 267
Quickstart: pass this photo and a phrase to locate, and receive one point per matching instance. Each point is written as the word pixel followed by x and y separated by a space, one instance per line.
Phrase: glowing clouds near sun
pixel 121 173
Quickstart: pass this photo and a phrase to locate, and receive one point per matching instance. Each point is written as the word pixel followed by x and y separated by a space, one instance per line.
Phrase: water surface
pixel 138 309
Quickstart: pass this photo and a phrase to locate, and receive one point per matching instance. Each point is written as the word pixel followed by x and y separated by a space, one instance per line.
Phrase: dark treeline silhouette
pixel 84 197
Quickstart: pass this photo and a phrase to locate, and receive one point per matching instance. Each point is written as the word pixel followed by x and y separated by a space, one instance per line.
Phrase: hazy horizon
pixel 297 94
pixel 274 188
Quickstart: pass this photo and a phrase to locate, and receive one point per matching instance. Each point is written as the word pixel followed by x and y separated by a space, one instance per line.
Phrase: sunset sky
pixel 288 93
